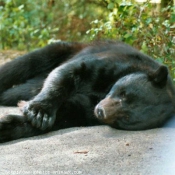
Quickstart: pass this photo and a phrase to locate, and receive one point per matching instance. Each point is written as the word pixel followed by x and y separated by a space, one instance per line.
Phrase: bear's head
pixel 138 101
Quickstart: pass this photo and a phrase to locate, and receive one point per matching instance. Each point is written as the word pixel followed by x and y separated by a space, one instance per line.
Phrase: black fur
pixel 104 82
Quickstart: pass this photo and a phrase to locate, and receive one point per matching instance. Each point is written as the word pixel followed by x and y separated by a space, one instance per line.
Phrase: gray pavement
pixel 97 150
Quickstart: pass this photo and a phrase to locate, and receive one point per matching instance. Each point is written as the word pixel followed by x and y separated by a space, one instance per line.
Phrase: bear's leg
pixel 14 127
pixel 35 63
pixel 58 87
pixel 20 92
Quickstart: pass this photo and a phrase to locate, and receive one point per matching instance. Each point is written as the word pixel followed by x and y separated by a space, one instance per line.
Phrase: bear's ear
pixel 159 77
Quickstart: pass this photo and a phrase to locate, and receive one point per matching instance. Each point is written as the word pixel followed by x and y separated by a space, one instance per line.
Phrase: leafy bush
pixel 29 24
pixel 137 25
pixel 22 25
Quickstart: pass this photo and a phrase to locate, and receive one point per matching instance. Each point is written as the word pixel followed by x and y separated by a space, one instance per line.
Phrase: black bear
pixel 68 84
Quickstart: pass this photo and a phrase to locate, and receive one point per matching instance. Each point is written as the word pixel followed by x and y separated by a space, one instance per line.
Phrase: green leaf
pixel 144 47
pixel 111 6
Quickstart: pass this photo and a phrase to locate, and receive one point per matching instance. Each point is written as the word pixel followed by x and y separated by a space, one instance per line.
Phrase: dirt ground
pixel 8 55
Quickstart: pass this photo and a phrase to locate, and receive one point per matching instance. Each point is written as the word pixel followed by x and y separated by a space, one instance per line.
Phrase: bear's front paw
pixel 41 115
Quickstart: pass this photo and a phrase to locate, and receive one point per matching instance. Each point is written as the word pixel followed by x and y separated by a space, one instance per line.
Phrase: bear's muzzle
pixel 107 109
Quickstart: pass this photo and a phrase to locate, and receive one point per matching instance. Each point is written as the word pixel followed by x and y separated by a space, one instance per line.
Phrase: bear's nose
pixel 100 112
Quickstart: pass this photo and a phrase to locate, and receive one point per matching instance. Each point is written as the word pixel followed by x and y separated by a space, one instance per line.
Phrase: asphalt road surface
pixel 97 150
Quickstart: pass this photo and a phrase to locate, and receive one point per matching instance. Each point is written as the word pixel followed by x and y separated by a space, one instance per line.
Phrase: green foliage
pixel 19 24
pixel 137 25
pixel 29 24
